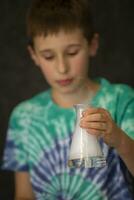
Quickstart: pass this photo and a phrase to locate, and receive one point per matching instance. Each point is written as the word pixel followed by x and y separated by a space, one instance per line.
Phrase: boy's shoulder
pixel 117 88
pixel 32 105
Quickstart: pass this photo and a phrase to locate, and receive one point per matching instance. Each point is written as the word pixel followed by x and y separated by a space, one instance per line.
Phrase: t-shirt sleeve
pixel 15 152
pixel 126 111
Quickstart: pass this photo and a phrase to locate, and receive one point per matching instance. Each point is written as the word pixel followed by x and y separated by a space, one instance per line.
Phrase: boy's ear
pixel 94 45
pixel 33 54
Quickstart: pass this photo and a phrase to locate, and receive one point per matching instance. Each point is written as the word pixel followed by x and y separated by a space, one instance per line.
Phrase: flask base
pixel 88 162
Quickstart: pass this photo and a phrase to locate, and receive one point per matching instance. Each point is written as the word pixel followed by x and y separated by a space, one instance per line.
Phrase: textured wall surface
pixel 20 79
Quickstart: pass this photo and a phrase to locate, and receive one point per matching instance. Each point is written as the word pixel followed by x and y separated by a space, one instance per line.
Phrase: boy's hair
pixel 50 16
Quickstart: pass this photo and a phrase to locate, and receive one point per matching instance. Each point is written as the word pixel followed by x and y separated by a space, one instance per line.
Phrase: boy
pixel 62 41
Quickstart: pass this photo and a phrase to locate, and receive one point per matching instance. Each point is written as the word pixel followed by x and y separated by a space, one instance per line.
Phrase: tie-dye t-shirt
pixel 39 138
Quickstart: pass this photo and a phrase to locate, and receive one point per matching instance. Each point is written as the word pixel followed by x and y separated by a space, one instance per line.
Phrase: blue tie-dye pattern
pixel 106 178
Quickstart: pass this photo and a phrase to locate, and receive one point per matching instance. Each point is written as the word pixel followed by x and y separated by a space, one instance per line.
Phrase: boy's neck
pixel 82 95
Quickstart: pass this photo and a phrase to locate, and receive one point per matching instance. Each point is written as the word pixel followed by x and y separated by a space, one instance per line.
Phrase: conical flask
pixel 85 150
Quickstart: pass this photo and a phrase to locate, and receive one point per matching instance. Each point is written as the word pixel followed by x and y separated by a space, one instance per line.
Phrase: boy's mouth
pixel 65 82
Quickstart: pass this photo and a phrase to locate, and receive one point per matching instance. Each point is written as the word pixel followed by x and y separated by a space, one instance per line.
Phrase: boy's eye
pixel 73 53
pixel 48 57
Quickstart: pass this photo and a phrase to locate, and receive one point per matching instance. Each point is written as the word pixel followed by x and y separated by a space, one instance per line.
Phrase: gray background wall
pixel 19 79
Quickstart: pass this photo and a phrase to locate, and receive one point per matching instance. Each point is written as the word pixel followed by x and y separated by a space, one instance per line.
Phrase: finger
pixel 99 126
pixel 92 110
pixel 96 132
pixel 102 126
pixel 89 110
pixel 95 117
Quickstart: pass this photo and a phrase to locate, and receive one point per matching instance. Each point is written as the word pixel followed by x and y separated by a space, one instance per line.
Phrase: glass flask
pixel 85 150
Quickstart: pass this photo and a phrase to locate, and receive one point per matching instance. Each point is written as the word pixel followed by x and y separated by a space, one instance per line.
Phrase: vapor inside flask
pixel 85 149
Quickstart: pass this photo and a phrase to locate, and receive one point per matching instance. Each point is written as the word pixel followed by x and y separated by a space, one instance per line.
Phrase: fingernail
pixel 83 113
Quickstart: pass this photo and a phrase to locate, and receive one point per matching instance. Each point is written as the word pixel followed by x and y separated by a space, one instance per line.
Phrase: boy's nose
pixel 62 66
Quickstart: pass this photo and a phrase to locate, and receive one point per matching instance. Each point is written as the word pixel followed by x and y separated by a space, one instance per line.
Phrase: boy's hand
pixel 98 121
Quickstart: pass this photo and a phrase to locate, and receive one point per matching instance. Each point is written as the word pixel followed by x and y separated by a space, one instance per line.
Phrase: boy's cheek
pixel 81 66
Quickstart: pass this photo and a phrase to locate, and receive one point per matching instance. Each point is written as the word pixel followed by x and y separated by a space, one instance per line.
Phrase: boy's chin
pixel 68 90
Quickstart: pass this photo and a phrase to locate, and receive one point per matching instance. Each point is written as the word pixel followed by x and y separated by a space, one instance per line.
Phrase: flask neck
pixel 79 108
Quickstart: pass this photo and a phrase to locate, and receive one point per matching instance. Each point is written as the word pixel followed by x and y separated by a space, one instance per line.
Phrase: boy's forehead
pixel 62 35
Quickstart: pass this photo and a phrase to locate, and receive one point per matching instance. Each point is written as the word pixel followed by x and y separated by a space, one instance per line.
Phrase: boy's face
pixel 63 59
